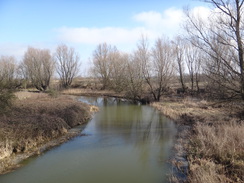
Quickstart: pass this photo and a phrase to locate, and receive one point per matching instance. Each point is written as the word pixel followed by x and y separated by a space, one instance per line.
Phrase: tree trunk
pixel 242 87
pixel 192 82
pixel 197 82
pixel 181 77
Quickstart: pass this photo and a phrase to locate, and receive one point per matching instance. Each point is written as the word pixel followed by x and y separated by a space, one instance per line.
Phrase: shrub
pixel 52 93
pixel 6 98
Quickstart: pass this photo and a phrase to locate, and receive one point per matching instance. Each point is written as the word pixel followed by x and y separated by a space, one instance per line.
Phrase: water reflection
pixel 150 133
pixel 134 121
pixel 125 143
pixel 104 101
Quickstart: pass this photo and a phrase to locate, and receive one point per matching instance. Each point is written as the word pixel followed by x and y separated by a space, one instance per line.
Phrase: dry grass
pixel 36 119
pixel 90 92
pixel 224 143
pixel 206 171
pixel 190 111
pixel 222 146
pixel 21 95
pixel 74 91
pixel 214 145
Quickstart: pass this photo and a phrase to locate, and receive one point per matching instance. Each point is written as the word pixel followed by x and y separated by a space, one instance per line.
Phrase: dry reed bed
pixel 34 121
pixel 215 142
pixel 89 92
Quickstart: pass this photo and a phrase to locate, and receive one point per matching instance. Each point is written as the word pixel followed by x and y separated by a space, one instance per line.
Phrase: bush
pixel 6 98
pixel 52 93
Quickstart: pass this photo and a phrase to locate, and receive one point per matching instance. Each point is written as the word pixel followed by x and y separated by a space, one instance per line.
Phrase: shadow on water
pixel 126 142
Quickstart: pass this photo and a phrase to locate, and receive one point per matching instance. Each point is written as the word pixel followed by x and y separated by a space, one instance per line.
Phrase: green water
pixel 124 143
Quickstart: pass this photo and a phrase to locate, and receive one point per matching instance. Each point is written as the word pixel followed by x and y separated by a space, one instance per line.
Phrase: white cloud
pixel 152 24
pixel 150 19
pixel 167 23
pixel 112 35
pixel 84 39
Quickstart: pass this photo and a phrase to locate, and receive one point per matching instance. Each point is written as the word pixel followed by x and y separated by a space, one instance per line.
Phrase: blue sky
pixel 84 24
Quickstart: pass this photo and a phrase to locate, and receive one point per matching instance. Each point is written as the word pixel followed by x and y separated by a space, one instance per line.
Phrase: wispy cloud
pixel 111 35
pixel 167 22
pixel 152 24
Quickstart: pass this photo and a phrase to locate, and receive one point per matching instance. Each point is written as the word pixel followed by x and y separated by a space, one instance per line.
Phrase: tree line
pixel 38 66
pixel 148 72
pixel 211 50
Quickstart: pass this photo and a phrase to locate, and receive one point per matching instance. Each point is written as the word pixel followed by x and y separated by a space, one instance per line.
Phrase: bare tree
pixel 163 66
pixel 194 58
pixel 8 69
pixel 22 75
pixel 157 65
pixel 190 60
pixel 39 67
pixel 118 71
pixel 103 57
pixel 221 38
pixel 8 82
pixel 142 57
pixel 198 67
pixel 134 78
pixel 179 51
pixel 67 64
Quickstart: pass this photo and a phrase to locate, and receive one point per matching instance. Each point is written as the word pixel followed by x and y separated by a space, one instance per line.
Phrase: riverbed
pixel 124 142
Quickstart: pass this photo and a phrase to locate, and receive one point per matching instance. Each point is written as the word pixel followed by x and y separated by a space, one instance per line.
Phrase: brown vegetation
pixel 67 64
pixel 217 153
pixel 214 144
pixel 90 92
pixel 37 66
pixel 211 53
pixel 35 121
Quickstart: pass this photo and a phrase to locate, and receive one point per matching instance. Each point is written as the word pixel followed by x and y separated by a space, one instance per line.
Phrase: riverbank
pixel 101 93
pixel 212 139
pixel 92 93
pixel 36 123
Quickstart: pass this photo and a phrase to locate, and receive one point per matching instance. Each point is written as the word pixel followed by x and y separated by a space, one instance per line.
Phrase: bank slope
pixel 32 123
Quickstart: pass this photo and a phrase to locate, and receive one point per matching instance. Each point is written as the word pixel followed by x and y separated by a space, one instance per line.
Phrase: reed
pixel 214 142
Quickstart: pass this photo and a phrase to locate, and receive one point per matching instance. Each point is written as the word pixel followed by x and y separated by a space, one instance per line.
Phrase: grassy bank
pixel 90 92
pixel 213 143
pixel 36 119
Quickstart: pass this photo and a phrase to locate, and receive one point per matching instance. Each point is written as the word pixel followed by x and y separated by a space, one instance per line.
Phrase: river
pixel 122 143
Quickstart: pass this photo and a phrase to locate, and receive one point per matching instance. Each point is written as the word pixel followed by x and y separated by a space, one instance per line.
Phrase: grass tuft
pixel 214 145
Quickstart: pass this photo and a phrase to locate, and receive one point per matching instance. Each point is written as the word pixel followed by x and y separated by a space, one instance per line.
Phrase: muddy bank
pixel 36 124
pixel 212 139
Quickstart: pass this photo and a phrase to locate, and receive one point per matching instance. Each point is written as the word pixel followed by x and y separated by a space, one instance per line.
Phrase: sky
pixel 83 24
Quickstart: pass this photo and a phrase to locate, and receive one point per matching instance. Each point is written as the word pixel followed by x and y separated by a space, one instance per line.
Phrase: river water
pixel 123 143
